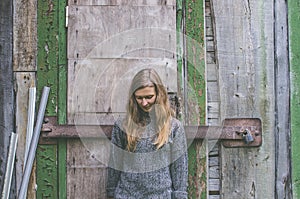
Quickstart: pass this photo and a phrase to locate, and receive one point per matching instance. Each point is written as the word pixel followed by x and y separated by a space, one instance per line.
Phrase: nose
pixel 144 102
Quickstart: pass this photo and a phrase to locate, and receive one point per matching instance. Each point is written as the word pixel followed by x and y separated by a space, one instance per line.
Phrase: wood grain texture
pixel 245 39
pixel 108 85
pixel 122 2
pixel 25 35
pixel 121 31
pixel 282 85
pixel 87 161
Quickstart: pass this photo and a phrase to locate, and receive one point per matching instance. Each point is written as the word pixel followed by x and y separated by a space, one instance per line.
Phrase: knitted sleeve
pixel 179 167
pixel 115 160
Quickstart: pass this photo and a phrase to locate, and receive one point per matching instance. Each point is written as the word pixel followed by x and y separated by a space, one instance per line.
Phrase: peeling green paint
pixel 294 29
pixel 52 72
pixel 47 59
pixel 47 172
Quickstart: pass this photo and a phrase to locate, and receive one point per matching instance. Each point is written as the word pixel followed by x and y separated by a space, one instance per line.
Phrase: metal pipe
pixel 34 143
pixel 10 165
pixel 30 122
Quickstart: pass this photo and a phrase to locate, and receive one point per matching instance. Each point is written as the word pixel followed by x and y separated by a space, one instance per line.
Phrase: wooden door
pixel 108 42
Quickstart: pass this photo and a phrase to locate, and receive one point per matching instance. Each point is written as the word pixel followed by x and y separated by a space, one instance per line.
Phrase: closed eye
pixel 148 97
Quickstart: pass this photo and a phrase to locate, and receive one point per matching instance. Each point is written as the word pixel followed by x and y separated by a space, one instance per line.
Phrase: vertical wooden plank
pixel 25 35
pixel 294 46
pixel 62 168
pixel 47 61
pixel 50 66
pixel 6 86
pixel 62 97
pixel 25 50
pixel 196 93
pixel 46 160
pixel 245 39
pixel 282 89
pixel 62 63
pixel 24 80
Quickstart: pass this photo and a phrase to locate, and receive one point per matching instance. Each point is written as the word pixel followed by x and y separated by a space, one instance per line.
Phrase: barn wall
pixel 294 46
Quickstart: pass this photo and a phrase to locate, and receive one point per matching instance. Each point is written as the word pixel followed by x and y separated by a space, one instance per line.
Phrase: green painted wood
pixel 62 63
pixel 193 21
pixel 294 29
pixel 62 168
pixel 52 71
pixel 47 68
pixel 47 176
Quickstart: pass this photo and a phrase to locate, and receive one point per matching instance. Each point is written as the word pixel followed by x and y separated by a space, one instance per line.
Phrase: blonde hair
pixel 134 122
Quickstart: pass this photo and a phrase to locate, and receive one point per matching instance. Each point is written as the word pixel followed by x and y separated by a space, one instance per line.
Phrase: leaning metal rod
pixel 34 143
pixel 10 165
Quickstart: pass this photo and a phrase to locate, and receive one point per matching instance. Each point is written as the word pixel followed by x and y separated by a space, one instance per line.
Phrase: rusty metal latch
pixel 235 132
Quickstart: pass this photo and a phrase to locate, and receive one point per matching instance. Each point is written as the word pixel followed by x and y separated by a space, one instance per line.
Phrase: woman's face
pixel 145 97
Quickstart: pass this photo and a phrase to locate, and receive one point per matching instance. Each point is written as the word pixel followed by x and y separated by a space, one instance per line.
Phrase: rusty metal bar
pixel 232 132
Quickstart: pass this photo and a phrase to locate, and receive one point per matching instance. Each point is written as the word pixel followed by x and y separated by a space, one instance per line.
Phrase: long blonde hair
pixel 134 121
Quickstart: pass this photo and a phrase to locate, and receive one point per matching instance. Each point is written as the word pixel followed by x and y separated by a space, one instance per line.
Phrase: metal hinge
pixel 235 132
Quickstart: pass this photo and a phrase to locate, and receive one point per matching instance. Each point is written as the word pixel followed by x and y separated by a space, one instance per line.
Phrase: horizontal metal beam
pixel 231 133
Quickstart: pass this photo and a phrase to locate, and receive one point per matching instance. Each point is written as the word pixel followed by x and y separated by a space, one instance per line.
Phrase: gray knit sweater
pixel 148 172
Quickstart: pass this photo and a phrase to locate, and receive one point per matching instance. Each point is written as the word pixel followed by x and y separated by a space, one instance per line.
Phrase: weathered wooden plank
pixel 211 72
pixel 214 185
pixel 6 87
pixel 47 56
pixel 47 178
pixel 62 168
pixel 87 160
pixel 282 85
pixel 195 93
pixel 214 197
pixel 244 33
pixel 213 92
pixel 25 35
pixel 108 79
pixel 122 2
pixel 62 63
pixel 294 20
pixel 121 31
pixel 24 80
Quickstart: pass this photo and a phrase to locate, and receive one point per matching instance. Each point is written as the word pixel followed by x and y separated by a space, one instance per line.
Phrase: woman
pixel 149 151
